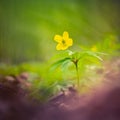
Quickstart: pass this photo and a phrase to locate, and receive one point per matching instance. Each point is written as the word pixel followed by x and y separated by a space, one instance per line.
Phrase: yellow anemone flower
pixel 94 48
pixel 63 41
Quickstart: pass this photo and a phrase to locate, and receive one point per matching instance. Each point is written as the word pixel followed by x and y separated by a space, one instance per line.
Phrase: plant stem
pixel 77 72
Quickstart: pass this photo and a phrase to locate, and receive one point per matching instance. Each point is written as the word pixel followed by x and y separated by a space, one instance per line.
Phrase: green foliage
pixel 79 56
pixel 80 60
pixel 9 69
pixel 62 62
pixel 110 45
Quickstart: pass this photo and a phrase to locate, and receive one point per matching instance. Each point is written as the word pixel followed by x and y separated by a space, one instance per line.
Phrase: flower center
pixel 63 41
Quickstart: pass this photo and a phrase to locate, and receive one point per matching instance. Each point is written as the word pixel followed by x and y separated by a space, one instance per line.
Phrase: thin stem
pixel 77 72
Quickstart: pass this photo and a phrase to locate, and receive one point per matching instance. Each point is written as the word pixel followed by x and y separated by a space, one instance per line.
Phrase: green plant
pixel 78 59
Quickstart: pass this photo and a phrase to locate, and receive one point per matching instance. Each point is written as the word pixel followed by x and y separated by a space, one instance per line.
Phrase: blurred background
pixel 27 27
pixel 28 49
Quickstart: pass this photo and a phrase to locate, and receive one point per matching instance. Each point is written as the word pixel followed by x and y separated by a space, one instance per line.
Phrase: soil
pixel 101 103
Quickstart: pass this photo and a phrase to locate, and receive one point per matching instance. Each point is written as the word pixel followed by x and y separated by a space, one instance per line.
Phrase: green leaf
pixel 100 53
pixel 65 64
pixel 93 54
pixel 59 63
pixel 77 55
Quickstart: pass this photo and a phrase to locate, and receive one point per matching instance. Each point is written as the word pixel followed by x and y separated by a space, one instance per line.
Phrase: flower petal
pixel 58 38
pixel 65 35
pixel 58 47
pixel 64 47
pixel 69 42
pixel 61 46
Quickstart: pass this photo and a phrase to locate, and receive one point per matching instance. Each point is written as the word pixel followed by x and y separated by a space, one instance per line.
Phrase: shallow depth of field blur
pixel 27 29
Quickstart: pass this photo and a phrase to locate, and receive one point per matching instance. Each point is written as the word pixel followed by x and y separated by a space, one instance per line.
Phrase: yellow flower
pixel 94 48
pixel 63 41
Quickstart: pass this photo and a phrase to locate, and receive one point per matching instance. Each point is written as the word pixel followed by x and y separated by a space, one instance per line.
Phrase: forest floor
pixel 101 103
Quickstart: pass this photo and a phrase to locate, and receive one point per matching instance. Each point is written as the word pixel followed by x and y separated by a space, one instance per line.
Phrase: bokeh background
pixel 27 27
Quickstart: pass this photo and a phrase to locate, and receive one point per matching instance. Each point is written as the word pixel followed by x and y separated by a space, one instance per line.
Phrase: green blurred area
pixel 27 27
